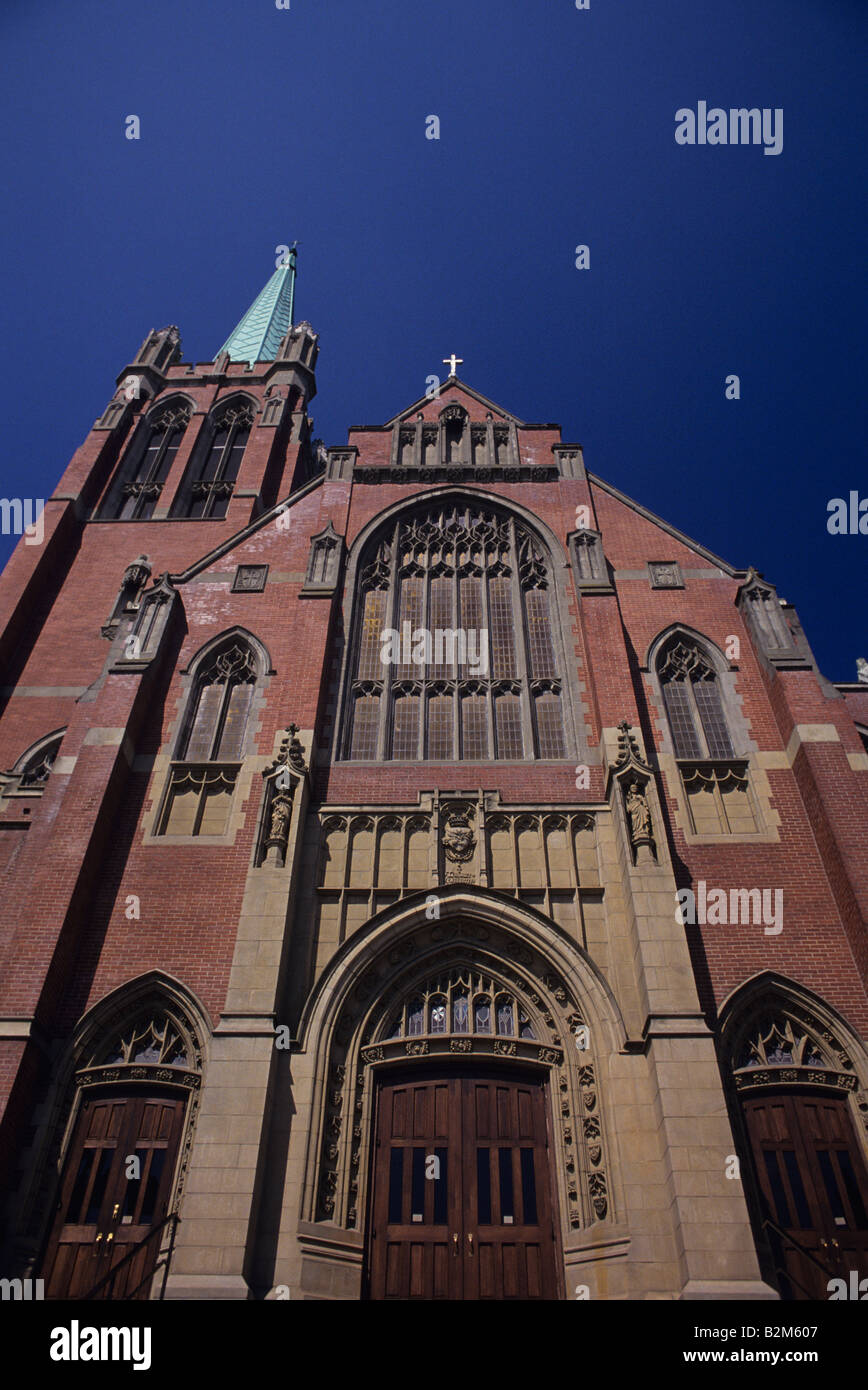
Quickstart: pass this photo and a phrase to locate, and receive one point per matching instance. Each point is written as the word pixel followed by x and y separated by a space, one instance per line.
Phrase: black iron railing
pixel 776 1243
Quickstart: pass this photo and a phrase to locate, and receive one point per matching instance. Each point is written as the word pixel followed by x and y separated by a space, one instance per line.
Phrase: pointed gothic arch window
pixel 454 655
pixel 210 479
pixel 30 773
pixel 720 801
pixel 140 478
pixel 212 741
pixel 691 693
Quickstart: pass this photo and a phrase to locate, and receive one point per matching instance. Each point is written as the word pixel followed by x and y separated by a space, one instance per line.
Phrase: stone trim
pixel 665 574
pixel 810 733
pixel 761 795
pixel 457 473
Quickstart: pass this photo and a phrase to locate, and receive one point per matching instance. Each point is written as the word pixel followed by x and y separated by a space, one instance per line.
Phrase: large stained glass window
pixel 455 656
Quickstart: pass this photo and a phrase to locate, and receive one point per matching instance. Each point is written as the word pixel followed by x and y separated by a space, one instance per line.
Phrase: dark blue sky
pixel 260 126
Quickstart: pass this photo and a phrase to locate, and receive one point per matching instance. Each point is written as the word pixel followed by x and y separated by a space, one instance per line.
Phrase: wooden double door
pixel 108 1204
pixel 813 1183
pixel 461 1202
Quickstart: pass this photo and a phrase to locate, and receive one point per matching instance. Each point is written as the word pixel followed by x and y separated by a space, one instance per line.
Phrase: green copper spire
pixel 258 336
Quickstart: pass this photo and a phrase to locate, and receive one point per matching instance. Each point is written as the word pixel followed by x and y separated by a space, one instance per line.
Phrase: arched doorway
pixel 137 1084
pixel 454 1043
pixel 800 1109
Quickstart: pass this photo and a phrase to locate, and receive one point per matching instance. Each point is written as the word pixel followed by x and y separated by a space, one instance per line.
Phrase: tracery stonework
pixel 458 1009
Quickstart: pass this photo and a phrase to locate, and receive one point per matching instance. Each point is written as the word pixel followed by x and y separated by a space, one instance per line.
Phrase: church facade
pixel 427 874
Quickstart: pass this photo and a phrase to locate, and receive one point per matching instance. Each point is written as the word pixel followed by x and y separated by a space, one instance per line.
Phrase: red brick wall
pixel 191 896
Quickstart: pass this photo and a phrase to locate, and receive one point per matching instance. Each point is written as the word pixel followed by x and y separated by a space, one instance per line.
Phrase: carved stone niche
pixel 589 562
pixel 136 576
pixel 140 645
pixel 272 412
pixel 114 412
pixel 760 607
pixel 570 460
pixel 323 564
pixel 340 463
pixel 631 779
pixel 459 843
pixel 281 779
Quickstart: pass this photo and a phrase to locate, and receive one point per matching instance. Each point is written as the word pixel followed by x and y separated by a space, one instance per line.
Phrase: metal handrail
pixel 787 1274
pixel 803 1249
pixel 173 1220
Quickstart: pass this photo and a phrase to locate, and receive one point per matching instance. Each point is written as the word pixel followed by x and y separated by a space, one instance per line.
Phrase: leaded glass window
pixel 223 695
pixel 150 1038
pixel 211 746
pixel 460 1002
pixel 139 481
pixel 210 480
pixel 694 708
pixel 455 654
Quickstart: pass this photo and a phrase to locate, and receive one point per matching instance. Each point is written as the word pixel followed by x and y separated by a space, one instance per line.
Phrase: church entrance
pixel 461 1204
pixel 811 1177
pixel 108 1204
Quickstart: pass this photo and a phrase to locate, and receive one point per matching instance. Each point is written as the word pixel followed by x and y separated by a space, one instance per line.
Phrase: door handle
pixel 470 1241
pixel 455 1242
pixel 98 1238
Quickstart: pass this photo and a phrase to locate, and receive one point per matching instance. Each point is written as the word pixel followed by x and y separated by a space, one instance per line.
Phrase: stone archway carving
pixel 521 953
pixel 775 1032
pixel 170 1027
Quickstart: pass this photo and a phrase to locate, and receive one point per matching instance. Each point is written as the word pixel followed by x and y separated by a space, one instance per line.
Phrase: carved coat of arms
pixel 459 841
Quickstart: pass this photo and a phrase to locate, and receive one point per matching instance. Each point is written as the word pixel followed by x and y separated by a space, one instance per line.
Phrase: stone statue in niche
pixel 641 828
pixel 279 813
pixel 640 816
pixel 281 809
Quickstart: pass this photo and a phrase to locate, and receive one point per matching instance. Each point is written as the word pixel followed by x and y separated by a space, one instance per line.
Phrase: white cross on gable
pixel 453 362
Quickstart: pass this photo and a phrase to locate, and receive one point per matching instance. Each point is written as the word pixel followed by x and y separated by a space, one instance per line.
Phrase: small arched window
pixel 212 742
pixel 223 694
pixel 31 772
pixel 460 1001
pixel 210 479
pixel 694 708
pixel 139 481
